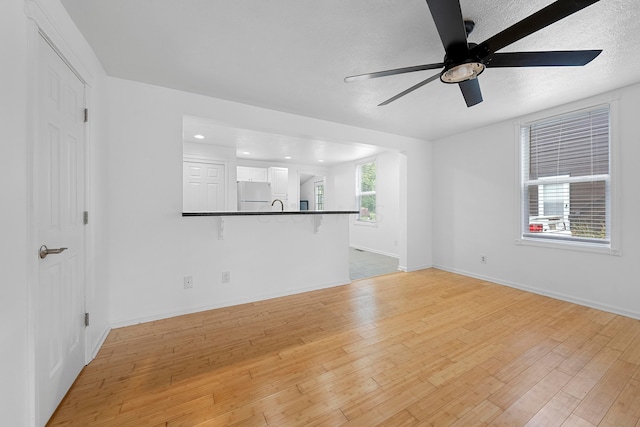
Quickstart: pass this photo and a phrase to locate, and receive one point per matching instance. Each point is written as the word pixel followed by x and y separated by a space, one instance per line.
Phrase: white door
pixel 59 203
pixel 204 187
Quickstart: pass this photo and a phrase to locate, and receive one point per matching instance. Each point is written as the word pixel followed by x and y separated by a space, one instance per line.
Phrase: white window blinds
pixel 566 178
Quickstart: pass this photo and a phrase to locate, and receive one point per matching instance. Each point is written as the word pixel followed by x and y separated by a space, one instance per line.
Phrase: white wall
pixel 18 250
pixel 476 212
pixel 210 151
pixel 341 186
pixel 416 195
pixel 383 237
pixel 262 254
pixel 14 356
pixel 152 247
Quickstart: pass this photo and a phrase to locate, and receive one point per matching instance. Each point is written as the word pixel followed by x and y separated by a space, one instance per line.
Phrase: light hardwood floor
pixel 422 348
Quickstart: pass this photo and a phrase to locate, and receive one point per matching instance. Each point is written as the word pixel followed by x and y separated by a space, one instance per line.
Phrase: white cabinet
pixel 246 173
pixel 279 179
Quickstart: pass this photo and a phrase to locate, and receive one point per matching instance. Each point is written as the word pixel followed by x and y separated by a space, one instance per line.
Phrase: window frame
pixel 524 237
pixel 318 195
pixel 359 193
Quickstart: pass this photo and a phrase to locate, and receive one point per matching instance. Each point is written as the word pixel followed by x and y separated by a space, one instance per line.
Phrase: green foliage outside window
pixel 368 177
pixel 367 187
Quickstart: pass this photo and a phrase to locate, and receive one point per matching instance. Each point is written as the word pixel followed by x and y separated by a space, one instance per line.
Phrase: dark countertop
pixel 253 213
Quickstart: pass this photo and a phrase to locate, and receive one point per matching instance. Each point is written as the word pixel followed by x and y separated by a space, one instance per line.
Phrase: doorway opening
pixel 364 264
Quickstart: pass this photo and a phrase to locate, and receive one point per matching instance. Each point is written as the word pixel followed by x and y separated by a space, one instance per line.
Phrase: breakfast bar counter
pixel 256 213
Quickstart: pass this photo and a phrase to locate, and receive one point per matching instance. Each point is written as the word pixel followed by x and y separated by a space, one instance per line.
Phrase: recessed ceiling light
pixel 198 136
pixel 287 157
pixel 246 153
pixel 321 160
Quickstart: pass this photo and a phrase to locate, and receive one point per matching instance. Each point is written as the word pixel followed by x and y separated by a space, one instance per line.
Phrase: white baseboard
pixel 96 348
pixel 229 303
pixel 410 269
pixel 544 292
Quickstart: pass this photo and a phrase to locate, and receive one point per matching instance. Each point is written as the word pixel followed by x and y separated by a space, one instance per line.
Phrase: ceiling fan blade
pixel 471 92
pixel 394 72
pixel 450 24
pixel 557 58
pixel 542 18
pixel 411 89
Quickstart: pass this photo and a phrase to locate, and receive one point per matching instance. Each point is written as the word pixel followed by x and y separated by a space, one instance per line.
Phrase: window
pixel 319 194
pixel 566 178
pixel 366 191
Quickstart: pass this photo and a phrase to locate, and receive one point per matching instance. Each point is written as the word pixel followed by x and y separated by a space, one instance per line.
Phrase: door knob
pixel 44 251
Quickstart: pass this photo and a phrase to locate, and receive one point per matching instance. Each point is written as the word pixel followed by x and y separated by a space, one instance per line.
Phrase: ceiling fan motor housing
pixel 460 70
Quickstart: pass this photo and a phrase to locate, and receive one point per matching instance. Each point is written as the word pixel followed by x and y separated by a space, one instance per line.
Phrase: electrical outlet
pixel 226 277
pixel 188 282
pixel 483 259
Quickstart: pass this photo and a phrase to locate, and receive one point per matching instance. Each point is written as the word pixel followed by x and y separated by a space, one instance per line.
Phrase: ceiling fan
pixel 464 62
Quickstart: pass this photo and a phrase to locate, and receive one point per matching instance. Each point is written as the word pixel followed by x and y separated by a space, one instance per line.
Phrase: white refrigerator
pixel 254 196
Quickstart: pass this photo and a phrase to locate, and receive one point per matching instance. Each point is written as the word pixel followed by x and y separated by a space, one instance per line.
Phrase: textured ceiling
pixel 292 56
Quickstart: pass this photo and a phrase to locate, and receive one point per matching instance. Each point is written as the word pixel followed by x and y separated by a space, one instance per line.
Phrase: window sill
pixel 571 246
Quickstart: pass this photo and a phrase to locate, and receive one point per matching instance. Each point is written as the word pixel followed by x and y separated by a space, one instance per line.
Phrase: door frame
pixel 314 172
pixel 40 24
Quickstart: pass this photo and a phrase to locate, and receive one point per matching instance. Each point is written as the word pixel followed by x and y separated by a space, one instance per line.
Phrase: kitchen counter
pixel 316 217
pixel 257 213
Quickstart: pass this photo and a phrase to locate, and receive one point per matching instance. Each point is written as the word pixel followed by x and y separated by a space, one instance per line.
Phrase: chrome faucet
pixel 281 204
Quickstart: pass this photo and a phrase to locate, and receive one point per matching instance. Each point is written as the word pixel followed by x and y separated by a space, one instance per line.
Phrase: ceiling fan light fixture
pixel 462 72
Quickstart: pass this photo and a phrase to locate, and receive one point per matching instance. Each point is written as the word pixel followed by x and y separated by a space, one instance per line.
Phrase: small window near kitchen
pixel 366 191
pixel 319 194
pixel 566 178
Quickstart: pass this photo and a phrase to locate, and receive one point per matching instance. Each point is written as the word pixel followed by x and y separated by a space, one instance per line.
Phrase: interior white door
pixel 204 186
pixel 59 203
